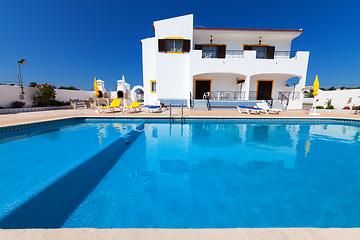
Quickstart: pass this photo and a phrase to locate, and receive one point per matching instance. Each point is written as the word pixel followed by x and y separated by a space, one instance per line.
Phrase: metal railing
pixel 240 54
pixel 227 95
pixel 234 54
pixel 191 101
pixel 284 54
pixel 292 95
pixel 283 99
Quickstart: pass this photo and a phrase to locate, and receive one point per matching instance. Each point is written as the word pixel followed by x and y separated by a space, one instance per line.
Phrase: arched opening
pixel 120 94
pixel 137 93
pixel 100 94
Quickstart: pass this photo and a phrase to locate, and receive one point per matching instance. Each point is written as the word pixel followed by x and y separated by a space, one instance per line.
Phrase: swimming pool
pixel 200 174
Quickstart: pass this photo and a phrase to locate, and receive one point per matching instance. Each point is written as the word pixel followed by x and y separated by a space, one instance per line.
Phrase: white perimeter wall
pixel 10 94
pixel 340 98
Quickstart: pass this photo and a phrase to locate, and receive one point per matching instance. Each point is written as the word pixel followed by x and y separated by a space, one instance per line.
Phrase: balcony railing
pixel 240 54
pixel 284 54
pixel 234 54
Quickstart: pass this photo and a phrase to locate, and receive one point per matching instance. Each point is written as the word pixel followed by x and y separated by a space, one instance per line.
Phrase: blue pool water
pixel 192 175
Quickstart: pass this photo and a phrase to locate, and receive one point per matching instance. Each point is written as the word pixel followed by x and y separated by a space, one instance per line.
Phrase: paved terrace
pixel 29 117
pixel 175 234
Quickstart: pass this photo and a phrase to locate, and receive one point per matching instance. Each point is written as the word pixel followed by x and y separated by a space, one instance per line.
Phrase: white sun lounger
pixel 153 109
pixel 248 109
pixel 266 109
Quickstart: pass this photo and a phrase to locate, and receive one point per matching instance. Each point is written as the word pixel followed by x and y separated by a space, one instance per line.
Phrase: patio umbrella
pixel 96 88
pixel 316 86
pixel 315 89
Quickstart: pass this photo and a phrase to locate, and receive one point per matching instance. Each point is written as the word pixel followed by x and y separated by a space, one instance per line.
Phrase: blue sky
pixel 71 42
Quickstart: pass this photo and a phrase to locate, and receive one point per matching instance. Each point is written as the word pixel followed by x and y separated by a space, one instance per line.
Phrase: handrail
pixel 283 99
pixel 206 97
pixel 191 101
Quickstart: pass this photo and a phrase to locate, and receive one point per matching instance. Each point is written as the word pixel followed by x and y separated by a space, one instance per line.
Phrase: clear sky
pixel 71 42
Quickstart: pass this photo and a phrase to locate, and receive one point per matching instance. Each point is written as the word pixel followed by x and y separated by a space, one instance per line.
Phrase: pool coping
pixel 176 119
pixel 177 234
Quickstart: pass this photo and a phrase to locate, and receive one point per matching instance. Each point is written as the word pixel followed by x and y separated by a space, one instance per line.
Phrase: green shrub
pixel 18 104
pixel 330 107
pixel 44 96
pixel 319 107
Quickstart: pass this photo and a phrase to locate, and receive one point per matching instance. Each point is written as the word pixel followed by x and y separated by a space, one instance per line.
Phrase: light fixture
pixel 260 41
pixel 211 40
pixel 22 61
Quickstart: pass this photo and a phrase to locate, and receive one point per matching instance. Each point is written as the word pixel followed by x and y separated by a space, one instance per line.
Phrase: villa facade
pixel 183 63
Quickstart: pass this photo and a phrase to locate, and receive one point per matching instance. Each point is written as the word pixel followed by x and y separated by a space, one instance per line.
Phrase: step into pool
pixel 103 173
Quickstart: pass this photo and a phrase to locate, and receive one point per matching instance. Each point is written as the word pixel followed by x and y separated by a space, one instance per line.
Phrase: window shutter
pixel 186 45
pixel 162 45
pixel 221 51
pixel 198 47
pixel 270 51
pixel 247 47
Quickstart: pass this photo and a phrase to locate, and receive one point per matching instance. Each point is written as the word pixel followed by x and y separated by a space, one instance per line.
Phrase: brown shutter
pixel 247 47
pixel 186 45
pixel 221 51
pixel 162 45
pixel 198 47
pixel 270 51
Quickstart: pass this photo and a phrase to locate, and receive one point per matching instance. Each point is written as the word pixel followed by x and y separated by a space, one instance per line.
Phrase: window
pixel 212 51
pixel 209 51
pixel 174 45
pixel 260 51
pixel 153 86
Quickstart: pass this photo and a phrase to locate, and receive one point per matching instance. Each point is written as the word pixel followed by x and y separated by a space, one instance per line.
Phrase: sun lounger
pixel 133 105
pixel 115 103
pixel 153 109
pixel 248 109
pixel 265 107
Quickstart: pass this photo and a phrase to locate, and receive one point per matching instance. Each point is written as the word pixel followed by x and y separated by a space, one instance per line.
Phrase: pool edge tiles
pixel 51 207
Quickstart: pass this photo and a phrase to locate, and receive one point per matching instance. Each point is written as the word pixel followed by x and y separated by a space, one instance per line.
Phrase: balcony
pixel 240 54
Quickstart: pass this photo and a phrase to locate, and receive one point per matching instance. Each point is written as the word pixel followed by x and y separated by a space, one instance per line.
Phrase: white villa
pixel 234 66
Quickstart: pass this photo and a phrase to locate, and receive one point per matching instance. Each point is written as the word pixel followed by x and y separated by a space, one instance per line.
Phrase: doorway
pixel 264 89
pixel 202 86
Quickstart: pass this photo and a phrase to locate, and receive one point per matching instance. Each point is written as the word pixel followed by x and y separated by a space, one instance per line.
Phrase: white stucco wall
pixel 175 73
pixel 10 94
pixel 340 98
pixel 149 50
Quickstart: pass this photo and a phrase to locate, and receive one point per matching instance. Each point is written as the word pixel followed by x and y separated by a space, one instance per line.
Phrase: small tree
pixel 44 95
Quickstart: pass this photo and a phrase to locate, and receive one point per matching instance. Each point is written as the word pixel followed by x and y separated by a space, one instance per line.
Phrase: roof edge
pixel 250 29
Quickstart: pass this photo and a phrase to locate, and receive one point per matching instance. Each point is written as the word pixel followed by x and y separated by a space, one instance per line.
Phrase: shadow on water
pixel 53 206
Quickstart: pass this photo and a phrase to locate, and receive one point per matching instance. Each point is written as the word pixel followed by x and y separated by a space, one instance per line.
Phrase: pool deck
pixel 182 234
pixel 31 117
pixel 174 234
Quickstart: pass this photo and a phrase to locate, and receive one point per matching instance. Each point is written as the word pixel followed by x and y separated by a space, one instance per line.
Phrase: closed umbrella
pixel 96 88
pixel 315 89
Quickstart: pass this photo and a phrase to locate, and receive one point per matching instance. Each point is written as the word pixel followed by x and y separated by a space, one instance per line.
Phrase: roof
pixel 249 29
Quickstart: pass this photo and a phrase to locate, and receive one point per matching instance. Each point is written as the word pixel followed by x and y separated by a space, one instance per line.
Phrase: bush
pixel 330 107
pixel 58 103
pixel 44 96
pixel 346 108
pixel 18 104
pixel 319 107
pixel 356 107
